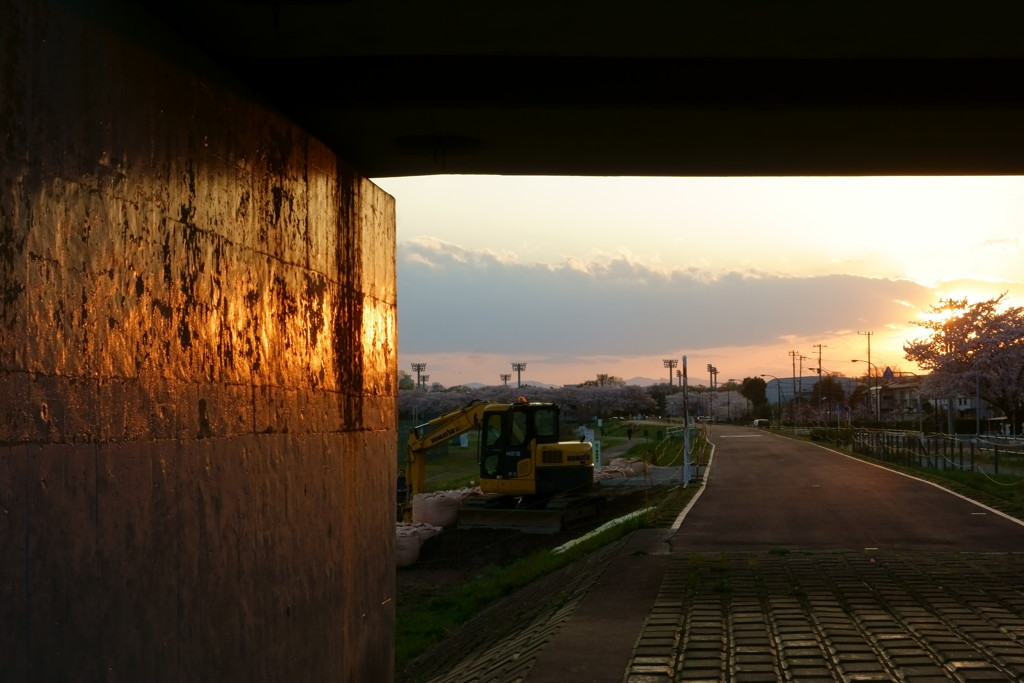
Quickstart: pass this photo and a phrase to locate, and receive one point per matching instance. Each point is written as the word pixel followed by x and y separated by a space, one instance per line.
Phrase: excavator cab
pixel 505 444
pixel 520 453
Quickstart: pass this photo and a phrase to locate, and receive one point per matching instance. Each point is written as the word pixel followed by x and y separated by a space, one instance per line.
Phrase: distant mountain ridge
pixel 644 381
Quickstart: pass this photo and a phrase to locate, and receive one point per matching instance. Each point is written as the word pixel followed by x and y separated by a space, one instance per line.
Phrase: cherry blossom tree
pixel 974 348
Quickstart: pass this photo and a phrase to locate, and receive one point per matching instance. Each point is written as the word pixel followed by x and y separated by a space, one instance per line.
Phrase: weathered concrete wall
pixel 197 310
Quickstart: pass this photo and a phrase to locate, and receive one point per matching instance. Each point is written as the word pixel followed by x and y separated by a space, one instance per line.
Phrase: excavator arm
pixel 434 433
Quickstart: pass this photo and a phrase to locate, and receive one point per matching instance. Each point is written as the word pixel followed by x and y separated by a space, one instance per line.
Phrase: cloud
pixel 452 299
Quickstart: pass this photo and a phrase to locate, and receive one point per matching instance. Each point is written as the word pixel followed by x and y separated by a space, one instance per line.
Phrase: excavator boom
pixel 434 433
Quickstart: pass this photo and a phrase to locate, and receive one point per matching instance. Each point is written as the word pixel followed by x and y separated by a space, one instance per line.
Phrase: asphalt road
pixel 770 492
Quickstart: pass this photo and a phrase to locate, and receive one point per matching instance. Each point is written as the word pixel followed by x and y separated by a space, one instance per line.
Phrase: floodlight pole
pixel 519 368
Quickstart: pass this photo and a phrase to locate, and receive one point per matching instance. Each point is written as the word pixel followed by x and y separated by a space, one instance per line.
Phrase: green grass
pixel 452 467
pixel 668 452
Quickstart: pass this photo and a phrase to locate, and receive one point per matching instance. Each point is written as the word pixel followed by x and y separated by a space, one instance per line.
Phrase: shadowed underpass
pixel 795 564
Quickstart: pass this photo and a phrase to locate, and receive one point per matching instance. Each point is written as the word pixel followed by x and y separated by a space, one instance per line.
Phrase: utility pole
pixel 819 347
pixel 792 390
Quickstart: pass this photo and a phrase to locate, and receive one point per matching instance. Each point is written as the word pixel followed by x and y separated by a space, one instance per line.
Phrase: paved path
pixel 796 564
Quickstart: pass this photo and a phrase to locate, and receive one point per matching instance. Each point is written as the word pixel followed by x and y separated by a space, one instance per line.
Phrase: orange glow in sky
pixel 901 244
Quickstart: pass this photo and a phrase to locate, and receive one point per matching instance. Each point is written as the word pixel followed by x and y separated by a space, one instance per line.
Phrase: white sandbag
pixel 409 539
pixel 407 546
pixel 440 508
pixel 426 531
pixel 468 493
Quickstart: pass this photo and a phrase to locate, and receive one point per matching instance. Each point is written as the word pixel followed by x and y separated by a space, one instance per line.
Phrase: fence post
pixel 995 458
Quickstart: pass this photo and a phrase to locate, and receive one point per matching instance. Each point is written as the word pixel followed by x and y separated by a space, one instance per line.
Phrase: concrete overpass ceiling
pixel 641 88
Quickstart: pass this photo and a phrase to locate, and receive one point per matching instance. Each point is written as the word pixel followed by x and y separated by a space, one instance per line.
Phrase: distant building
pixel 785 389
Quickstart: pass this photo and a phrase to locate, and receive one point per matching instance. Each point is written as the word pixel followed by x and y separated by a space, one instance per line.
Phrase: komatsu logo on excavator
pixel 446 434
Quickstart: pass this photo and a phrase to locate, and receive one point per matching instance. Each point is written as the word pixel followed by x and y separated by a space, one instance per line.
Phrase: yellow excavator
pixel 522 463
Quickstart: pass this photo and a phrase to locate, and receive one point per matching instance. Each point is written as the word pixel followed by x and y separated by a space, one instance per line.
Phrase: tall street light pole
pixel 519 368
pixel 419 368
pixel 670 363
pixel 878 393
pixel 505 377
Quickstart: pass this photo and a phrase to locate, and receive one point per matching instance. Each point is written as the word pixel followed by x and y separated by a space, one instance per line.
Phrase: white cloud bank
pixel 469 309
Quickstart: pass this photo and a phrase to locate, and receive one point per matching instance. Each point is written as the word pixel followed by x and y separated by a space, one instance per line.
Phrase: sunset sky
pixel 579 276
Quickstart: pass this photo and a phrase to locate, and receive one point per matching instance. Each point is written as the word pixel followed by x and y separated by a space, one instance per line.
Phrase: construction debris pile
pixel 621 468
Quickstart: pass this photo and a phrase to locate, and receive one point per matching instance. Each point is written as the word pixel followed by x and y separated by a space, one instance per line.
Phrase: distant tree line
pixel 606 397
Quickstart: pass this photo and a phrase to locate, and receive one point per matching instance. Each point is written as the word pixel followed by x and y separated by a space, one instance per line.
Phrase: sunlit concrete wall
pixel 197 365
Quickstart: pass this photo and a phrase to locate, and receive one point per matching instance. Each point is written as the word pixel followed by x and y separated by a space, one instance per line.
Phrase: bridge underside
pixel 648 88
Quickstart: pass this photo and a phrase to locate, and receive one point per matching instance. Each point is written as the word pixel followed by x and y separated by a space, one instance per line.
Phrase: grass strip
pixel 425 624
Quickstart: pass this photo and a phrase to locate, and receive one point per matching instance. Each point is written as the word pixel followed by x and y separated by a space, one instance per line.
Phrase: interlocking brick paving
pixel 839 616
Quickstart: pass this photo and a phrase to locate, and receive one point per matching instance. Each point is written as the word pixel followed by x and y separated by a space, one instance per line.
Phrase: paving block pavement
pixel 757 616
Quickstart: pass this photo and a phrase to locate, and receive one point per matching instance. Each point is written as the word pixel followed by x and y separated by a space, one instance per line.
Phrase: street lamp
pixel 778 390
pixel 878 395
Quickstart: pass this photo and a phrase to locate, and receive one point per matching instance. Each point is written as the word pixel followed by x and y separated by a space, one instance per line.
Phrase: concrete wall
pixel 197 367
